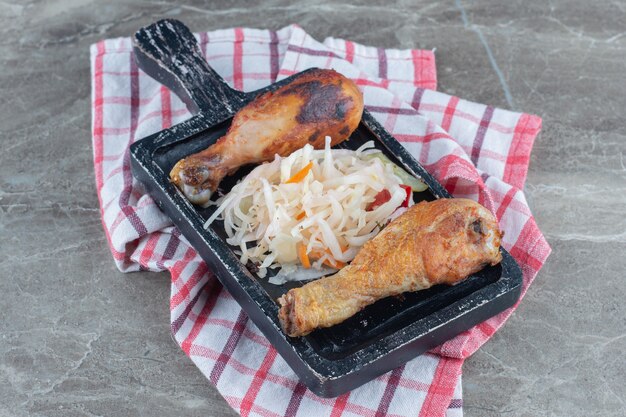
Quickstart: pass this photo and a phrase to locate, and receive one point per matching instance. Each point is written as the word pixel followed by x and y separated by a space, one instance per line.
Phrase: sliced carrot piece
pixel 304 258
pixel 299 176
pixel 336 264
pixel 300 216
pixel 316 254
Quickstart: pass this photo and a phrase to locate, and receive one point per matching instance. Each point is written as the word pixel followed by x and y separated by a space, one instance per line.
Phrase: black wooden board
pixel 329 361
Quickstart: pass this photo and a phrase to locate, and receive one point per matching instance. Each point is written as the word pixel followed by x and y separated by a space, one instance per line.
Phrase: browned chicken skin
pixel 317 104
pixel 439 242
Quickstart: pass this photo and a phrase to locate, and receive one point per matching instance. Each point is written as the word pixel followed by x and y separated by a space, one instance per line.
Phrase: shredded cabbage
pixel 326 212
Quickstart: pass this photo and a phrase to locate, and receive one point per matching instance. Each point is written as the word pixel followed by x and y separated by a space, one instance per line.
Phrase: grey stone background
pixel 77 338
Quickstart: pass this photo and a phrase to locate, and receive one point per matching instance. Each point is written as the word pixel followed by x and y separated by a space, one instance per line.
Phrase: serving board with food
pixel 346 253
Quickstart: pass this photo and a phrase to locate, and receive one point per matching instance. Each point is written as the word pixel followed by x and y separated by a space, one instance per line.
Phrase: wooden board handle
pixel 168 52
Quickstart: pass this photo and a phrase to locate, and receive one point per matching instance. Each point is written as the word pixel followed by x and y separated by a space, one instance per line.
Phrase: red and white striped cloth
pixel 476 151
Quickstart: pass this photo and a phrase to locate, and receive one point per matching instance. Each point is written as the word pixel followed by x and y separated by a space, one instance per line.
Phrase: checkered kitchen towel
pixel 476 151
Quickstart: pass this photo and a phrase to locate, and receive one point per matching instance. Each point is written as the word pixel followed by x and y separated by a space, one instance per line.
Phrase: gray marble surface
pixel 78 338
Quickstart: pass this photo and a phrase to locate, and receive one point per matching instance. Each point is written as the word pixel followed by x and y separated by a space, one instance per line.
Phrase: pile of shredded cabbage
pixel 273 219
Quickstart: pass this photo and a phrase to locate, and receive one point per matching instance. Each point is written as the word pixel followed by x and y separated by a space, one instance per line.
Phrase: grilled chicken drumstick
pixel 317 104
pixel 438 242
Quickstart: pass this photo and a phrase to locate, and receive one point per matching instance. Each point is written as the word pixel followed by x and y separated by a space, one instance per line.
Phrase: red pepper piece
pixel 381 198
pixel 408 191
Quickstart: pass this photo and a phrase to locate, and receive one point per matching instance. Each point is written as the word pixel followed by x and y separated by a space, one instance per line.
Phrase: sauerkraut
pixel 311 210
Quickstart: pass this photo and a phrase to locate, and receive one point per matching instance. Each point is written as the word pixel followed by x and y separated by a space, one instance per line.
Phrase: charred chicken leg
pixel 317 104
pixel 438 242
